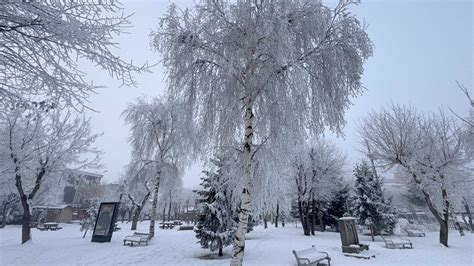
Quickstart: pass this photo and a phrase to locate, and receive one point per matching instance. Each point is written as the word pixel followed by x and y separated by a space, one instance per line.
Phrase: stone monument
pixel 349 237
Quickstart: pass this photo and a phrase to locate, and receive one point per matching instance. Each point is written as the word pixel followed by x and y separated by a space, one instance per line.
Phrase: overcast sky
pixel 421 49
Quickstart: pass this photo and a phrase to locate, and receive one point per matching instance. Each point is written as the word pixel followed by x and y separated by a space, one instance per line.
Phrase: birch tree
pixel 41 141
pixel 41 43
pixel 255 70
pixel 157 138
pixel 429 147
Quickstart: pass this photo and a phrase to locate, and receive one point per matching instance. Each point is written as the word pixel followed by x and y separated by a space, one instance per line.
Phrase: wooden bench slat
pixel 311 256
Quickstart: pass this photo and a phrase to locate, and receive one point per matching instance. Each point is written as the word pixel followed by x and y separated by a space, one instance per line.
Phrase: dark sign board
pixel 104 225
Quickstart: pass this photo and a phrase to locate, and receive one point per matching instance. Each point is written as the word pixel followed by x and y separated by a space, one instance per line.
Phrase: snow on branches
pixel 372 207
pixel 315 167
pixel 40 141
pixel 158 137
pixel 429 147
pixel 41 43
pixel 262 72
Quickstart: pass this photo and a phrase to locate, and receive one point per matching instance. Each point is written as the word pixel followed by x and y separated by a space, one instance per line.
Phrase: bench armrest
pixel 408 240
pixel 324 252
pixel 304 260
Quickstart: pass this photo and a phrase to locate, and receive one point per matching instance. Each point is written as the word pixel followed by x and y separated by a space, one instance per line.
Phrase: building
pixel 57 214
pixel 77 180
pixel 65 188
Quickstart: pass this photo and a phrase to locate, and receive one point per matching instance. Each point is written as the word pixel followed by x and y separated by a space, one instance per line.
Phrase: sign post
pixel 104 225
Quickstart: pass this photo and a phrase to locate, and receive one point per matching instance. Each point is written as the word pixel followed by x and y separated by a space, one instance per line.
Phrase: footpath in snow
pixel 272 246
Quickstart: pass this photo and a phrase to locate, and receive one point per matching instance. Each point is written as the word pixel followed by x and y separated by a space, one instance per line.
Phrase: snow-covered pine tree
pixel 384 208
pixel 371 207
pixel 337 205
pixel 364 207
pixel 215 228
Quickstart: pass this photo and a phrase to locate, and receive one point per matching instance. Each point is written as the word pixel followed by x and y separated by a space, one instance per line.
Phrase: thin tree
pixel 138 183
pixel 262 69
pixel 41 43
pixel 157 137
pixel 42 141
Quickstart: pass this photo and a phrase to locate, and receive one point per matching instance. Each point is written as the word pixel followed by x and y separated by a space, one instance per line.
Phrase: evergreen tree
pixel 371 207
pixel 337 205
pixel 215 228
pixel 386 215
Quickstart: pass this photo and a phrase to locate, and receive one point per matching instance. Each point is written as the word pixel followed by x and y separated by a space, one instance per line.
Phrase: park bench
pixel 185 227
pixel 136 238
pixel 49 226
pixel 311 256
pixel 400 243
pixel 167 225
pixel 415 233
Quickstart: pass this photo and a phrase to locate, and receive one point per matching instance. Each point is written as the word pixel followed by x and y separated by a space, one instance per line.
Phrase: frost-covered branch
pixel 42 141
pixel 42 43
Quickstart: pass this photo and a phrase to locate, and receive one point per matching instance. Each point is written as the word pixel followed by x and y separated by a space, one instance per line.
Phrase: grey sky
pixel 421 48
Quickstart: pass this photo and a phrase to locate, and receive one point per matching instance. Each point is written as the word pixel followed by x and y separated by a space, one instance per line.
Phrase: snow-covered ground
pixel 170 247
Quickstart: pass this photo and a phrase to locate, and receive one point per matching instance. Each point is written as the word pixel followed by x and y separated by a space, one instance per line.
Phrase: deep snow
pixel 170 247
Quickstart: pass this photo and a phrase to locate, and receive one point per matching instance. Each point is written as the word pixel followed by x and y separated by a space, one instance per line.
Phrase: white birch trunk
pixel 239 238
pixel 151 230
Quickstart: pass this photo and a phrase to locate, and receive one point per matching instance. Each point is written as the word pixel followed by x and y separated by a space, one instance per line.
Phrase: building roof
pixel 59 207
pixel 85 173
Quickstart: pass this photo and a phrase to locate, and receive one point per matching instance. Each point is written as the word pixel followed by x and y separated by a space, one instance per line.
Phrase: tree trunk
pixel 169 211
pixel 153 209
pixel 443 233
pixel 308 221
pixel 443 223
pixel 468 212
pixel 239 238
pixel 220 251
pixel 130 212
pixel 276 215
pixel 372 232
pixel 5 216
pixel 265 225
pixel 444 229
pixel 303 218
pixel 164 214
pixel 322 226
pixel 313 216
pixel 136 216
pixel 4 211
pixel 25 223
